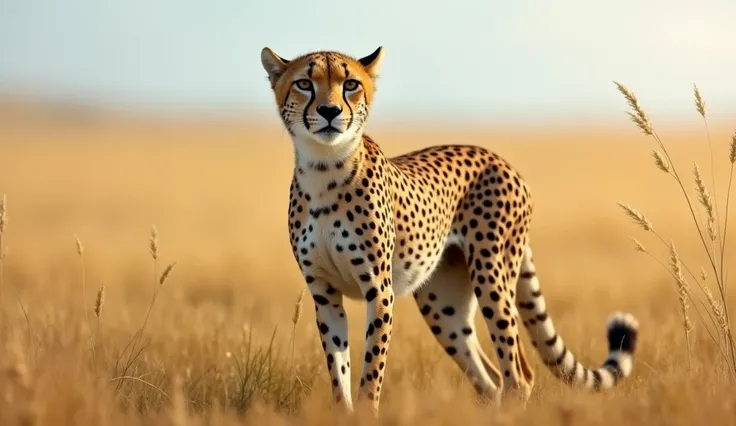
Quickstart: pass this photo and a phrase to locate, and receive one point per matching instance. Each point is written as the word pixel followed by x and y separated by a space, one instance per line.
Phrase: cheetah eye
pixel 304 84
pixel 351 85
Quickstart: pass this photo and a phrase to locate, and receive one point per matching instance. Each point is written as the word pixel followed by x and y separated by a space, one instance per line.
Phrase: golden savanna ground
pixel 217 192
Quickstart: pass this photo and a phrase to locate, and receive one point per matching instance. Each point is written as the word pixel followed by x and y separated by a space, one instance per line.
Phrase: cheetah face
pixel 323 97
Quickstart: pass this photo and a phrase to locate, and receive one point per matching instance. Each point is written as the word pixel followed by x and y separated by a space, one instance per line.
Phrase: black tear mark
pixel 350 108
pixel 306 109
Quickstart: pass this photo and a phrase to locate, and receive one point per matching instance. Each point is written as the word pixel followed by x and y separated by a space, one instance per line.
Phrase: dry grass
pixel 715 314
pixel 219 340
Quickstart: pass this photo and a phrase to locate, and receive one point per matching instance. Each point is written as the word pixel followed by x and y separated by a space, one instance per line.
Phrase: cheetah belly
pixel 407 281
pixel 411 272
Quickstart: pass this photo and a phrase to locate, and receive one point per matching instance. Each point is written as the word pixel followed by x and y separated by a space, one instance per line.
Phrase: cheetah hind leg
pixel 513 270
pixel 448 306
pixel 492 285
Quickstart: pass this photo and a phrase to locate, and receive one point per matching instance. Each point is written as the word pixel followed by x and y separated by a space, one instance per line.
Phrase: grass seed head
pixel 638 218
pixel 165 274
pixel 660 161
pixel 298 308
pixel 100 301
pixel 638 116
pixel 699 103
pixel 682 286
pixel 705 200
pixel 153 243
pixel 638 246
pixel 80 247
pixel 3 213
pixel 718 309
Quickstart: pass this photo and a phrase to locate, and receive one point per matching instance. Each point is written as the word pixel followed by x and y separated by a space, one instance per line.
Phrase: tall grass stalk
pixel 82 277
pixel 3 254
pixel 712 236
pixel 134 347
pixel 99 303
pixel 298 309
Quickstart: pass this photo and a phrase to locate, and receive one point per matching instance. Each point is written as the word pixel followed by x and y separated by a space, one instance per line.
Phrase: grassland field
pixel 220 346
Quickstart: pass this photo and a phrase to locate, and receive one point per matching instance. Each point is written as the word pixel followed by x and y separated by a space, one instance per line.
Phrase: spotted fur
pixel 447 224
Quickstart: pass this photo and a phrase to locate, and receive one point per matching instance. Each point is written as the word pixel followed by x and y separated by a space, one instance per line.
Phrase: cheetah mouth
pixel 328 130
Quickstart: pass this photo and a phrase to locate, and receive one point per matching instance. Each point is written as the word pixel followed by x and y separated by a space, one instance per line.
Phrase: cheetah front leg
pixel 379 296
pixel 333 332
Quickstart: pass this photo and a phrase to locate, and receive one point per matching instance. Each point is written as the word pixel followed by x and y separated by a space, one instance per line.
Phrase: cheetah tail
pixel 622 336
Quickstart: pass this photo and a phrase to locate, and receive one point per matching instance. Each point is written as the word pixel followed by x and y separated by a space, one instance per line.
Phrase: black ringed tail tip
pixel 623 330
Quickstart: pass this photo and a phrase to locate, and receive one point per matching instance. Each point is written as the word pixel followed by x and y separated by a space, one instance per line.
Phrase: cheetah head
pixel 323 97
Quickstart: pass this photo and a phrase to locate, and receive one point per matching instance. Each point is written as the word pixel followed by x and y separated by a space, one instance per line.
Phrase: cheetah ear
pixel 274 64
pixel 372 62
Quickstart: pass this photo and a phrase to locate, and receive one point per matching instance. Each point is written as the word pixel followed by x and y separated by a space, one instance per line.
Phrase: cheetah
pixel 447 224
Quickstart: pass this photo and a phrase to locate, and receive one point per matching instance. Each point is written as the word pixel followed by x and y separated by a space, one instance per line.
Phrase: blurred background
pixel 467 62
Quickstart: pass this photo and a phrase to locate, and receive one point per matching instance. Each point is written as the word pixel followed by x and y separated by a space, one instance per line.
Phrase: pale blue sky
pixel 478 60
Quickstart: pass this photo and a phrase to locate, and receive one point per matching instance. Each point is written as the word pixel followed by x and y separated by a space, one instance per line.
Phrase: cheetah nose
pixel 329 111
